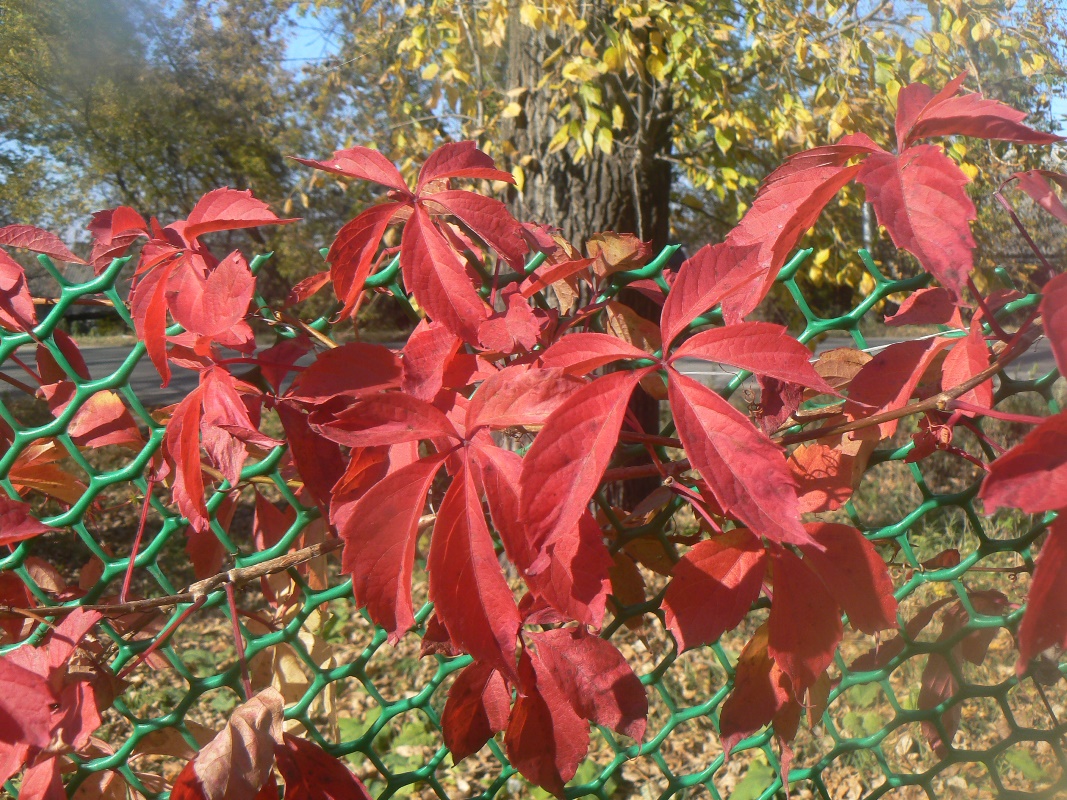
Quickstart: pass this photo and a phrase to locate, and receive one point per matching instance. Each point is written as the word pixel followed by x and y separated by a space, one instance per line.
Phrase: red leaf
pixel 28 237
pixel 467 586
pixel 760 690
pixel 1032 476
pixel 478 706
pixel 310 773
pixel 17 311
pixel 104 420
pixel 760 347
pixel 43 781
pixel 888 380
pixel 1044 624
pixel 215 304
pixel 702 282
pixel 352 253
pixel 919 197
pixel 366 467
pixel 228 210
pixel 238 761
pixel 544 276
pixel 25 715
pixel 938 685
pixel 318 460
pixel 595 678
pixel 181 441
pixel 113 231
pixel 576 580
pixel 383 419
pixel 563 467
pixel 519 396
pixel 805 621
pixel 148 307
pixel 545 739
pixel 933 306
pixel 1038 184
pixel 855 575
pixel 362 163
pixel 427 354
pixel 713 587
pixel 490 220
pixel 745 470
pixel 581 353
pixel 1054 315
pixel 912 99
pixel 967 358
pixel 789 202
pixel 952 114
pixel 459 160
pixel 380 536
pixel 17 523
pixel 438 280
pixel 351 370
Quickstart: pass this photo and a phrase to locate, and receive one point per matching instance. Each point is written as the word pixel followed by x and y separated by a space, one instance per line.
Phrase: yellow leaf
pixel 559 141
pixel 917 70
pixel 429 72
pixel 657 66
pixel 604 140
pixel 618 117
pixel 519 174
pixel 511 110
pixel 968 169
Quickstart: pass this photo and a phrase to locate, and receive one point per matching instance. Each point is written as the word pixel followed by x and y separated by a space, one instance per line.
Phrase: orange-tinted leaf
pixel 519 396
pixel 967 358
pixel 760 690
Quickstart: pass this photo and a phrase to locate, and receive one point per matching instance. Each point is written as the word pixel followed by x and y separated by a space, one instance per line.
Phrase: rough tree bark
pixel 627 191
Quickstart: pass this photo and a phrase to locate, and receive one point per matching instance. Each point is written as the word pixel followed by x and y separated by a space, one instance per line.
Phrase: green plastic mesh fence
pixel 379 706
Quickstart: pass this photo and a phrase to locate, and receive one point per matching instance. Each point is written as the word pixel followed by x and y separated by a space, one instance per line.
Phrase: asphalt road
pixel 146 382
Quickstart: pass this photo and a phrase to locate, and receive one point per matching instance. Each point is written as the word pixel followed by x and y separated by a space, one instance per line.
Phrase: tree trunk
pixel 626 191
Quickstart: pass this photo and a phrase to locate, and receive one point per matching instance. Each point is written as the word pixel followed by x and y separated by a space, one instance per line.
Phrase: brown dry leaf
pixel 840 365
pixel 170 742
pixel 238 761
pixel 617 252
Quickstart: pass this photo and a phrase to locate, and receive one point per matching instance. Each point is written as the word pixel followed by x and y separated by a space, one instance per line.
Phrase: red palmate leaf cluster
pixel 522 565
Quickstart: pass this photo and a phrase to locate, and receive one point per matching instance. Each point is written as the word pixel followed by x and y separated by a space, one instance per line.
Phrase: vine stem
pixel 234 577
